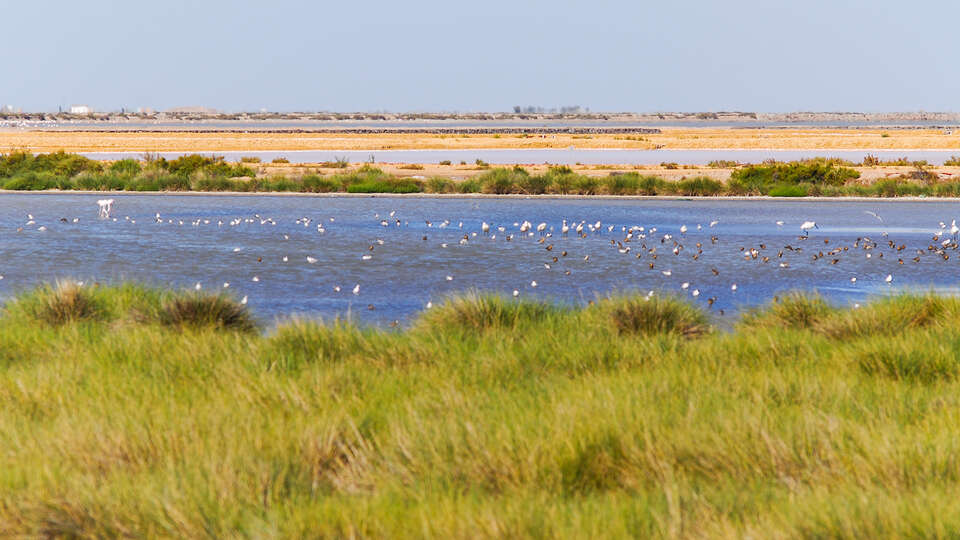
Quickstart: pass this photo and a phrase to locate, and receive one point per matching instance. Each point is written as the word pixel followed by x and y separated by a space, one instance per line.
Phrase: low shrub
pixel 787 190
pixel 699 186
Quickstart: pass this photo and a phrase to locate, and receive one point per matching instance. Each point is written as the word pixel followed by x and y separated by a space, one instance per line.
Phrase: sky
pixel 489 55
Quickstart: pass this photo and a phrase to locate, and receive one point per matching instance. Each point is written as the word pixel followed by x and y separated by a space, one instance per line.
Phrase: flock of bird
pixel 685 258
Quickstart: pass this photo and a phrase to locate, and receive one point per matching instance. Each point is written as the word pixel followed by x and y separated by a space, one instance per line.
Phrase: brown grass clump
pixel 206 311
pixel 64 302
pixel 650 316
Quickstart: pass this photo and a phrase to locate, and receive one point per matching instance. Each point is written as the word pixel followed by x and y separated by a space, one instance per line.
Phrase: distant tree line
pixel 569 109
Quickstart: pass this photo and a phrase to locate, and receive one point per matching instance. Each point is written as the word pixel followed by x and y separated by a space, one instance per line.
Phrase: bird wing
pixel 874 215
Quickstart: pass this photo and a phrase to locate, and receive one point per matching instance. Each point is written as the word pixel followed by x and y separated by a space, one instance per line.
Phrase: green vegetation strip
pixel 815 177
pixel 134 412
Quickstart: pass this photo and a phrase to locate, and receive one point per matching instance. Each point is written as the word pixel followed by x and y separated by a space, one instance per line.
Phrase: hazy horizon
pixel 430 56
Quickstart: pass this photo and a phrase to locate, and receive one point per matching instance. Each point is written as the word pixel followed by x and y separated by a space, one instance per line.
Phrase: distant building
pixel 80 109
pixel 7 109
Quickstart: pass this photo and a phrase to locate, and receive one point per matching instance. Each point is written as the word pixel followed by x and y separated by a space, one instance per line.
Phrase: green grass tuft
pixel 481 312
pixel 794 310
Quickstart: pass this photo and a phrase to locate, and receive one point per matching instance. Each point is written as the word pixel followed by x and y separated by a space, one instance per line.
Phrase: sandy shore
pixel 670 138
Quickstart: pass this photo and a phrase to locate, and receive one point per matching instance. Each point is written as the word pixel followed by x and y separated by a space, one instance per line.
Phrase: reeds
pixel 817 177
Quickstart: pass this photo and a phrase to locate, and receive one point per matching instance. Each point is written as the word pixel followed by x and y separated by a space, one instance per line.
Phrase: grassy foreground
pixel 127 411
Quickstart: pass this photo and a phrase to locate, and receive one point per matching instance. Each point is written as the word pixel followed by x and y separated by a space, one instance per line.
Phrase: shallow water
pixel 558 156
pixel 254 125
pixel 406 271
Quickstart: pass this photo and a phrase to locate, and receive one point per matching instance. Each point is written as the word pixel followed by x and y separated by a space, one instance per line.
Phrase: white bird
pixel 733 287
pixel 683 229
pixel 105 206
pixel 779 223
pixel 696 292
pixel 533 283
pixel 889 278
pixel 197 286
pixel 243 301
pixel 256 278
pixel 516 293
pixel 226 284
pixel 714 222
pixel 429 305
pixel 684 285
pixel 310 259
pixel 485 227
pixel 356 289
pixel 953 228
pixel 449 278
pixel 667 273
pixel 336 288
pixel 853 280
pixel 807 225
pixel 366 257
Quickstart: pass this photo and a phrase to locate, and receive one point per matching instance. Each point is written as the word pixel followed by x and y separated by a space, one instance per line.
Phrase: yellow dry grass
pixel 692 138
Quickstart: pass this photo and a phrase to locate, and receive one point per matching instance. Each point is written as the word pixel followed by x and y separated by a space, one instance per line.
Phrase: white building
pixel 80 109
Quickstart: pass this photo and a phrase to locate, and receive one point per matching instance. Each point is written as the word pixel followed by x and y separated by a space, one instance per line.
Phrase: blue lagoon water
pixel 409 265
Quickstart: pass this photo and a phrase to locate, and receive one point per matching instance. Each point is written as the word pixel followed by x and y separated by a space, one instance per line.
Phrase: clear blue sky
pixel 426 55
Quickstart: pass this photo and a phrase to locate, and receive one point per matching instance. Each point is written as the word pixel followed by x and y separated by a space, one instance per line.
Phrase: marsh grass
pixel 476 312
pixel 816 177
pixel 889 316
pixel 489 417
pixel 649 315
pixel 798 310
pixel 60 303
pixel 68 301
pixel 205 311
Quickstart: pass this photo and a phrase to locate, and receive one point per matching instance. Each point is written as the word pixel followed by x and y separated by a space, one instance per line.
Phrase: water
pixel 284 124
pixel 406 271
pixel 558 156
